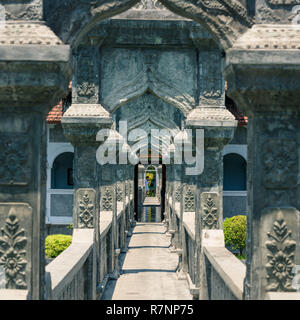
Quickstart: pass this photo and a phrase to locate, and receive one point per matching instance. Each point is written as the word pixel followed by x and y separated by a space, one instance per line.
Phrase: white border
pixel 54 149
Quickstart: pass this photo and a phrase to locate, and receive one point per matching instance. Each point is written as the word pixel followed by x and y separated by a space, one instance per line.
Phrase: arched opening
pixel 235 173
pixel 62 171
pixel 150 181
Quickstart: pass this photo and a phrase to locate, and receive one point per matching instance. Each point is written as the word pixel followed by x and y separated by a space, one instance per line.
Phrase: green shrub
pixel 235 232
pixel 55 244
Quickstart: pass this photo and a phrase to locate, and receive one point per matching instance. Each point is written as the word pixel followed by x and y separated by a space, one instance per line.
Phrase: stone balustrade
pixel 223 274
pixel 73 274
pixel 66 276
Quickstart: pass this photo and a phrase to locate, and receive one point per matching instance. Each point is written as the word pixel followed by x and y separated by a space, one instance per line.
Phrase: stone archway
pixel 226 20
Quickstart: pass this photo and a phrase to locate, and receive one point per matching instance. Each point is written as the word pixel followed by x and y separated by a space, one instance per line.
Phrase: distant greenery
pixel 235 233
pixel 55 244
pixel 70 226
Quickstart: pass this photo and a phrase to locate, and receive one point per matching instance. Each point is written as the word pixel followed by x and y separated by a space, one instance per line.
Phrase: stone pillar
pixel 141 191
pixel 109 210
pixel 272 105
pixel 81 124
pixel 218 125
pixel 34 75
pixel 131 200
pixel 176 197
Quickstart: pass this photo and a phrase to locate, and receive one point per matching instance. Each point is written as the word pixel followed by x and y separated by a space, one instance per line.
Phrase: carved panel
pixel 211 81
pixel 209 210
pixel 85 74
pixel 120 192
pixel 189 200
pixel 15 245
pixel 148 4
pixel 283 2
pixel 178 193
pixel 281 257
pixel 280 164
pixel 85 201
pixel 226 19
pixel 14 160
pixel 107 199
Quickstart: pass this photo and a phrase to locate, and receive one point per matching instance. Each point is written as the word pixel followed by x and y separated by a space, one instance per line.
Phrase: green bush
pixel 55 244
pixel 235 232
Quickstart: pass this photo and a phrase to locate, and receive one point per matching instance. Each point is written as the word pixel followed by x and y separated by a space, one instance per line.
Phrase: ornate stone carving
pixel 189 200
pixel 107 199
pixel 13 252
pixel 85 86
pixel 86 212
pixel 209 211
pixel 211 82
pixel 283 2
pixel 280 161
pixel 149 79
pixel 226 19
pixel 148 4
pixel 275 37
pixel 280 257
pixel 178 194
pixel 27 33
pixel 119 193
pixel 14 162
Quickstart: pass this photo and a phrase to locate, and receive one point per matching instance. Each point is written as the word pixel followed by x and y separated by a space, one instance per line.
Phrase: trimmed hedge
pixel 235 232
pixel 55 244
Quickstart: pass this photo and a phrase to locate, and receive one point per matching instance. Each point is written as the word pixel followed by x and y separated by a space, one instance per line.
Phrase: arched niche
pixel 235 173
pixel 62 171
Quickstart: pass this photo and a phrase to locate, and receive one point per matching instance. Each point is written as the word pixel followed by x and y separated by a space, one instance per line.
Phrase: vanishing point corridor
pixel 148 268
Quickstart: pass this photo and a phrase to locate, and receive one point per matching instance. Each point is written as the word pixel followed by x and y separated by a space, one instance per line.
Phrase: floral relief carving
pixel 189 200
pixel 119 193
pixel 210 213
pixel 178 194
pixel 148 4
pixel 280 257
pixel 12 252
pixel 14 163
pixel 86 212
pixel 283 2
pixel 85 75
pixel 280 161
pixel 212 78
pixel 107 200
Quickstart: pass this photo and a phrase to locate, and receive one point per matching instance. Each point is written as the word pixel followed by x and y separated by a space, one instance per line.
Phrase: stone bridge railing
pixel 82 271
pixel 212 272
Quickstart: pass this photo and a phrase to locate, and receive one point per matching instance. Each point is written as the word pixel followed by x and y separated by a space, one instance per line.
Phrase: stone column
pixel 109 211
pixel 131 198
pixel 141 191
pixel 34 75
pixel 81 124
pixel 176 197
pixel 272 105
pixel 218 126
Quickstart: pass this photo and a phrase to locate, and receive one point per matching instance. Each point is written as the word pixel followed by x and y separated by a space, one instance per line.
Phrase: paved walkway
pixel 148 268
